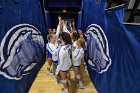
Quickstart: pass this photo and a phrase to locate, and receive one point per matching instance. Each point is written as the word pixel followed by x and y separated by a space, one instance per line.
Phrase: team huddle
pixel 65 50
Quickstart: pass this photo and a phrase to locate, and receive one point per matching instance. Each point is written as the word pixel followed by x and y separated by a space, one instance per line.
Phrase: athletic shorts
pixel 66 70
pixel 49 55
pixel 76 66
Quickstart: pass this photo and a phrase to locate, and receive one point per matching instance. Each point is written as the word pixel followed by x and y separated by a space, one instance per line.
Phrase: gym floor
pixel 47 84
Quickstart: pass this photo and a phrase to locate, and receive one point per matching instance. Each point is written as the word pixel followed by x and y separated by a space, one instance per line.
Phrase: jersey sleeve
pixel 78 55
pixel 51 49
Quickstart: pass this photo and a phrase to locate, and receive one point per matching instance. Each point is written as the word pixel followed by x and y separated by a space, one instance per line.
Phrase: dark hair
pixel 66 38
pixel 49 31
pixel 85 37
pixel 76 36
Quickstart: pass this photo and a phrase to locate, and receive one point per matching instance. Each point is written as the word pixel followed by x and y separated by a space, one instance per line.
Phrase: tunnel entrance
pixel 69 10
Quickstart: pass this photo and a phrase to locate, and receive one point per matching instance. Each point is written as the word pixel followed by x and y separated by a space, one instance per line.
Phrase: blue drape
pixel 22 31
pixel 93 12
pixel 123 44
pixel 79 23
pixel 48 21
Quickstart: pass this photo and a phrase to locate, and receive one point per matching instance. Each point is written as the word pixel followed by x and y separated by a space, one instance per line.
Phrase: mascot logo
pixel 97 49
pixel 20 50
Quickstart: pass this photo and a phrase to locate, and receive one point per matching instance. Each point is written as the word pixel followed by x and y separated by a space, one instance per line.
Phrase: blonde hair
pixel 49 36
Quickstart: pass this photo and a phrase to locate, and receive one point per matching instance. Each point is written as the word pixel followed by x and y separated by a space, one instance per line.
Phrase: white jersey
pixel 74 45
pixel 53 50
pixel 64 61
pixel 77 55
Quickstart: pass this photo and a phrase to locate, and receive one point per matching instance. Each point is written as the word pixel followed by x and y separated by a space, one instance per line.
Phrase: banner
pixel 22 34
pixel 113 52
pixel 93 12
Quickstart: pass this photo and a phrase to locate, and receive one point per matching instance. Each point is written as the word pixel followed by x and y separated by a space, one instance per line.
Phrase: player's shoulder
pixel 66 47
pixel 81 50
pixel 61 48
pixel 50 44
pixel 47 43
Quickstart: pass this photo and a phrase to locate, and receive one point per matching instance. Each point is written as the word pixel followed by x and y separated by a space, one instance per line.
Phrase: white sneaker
pixel 82 86
pixel 63 91
pixel 50 74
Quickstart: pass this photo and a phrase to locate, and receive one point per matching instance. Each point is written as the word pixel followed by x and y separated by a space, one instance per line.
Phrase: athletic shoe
pixel 50 74
pixel 82 86
pixel 63 91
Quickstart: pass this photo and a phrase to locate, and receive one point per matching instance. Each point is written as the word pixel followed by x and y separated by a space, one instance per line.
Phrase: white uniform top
pixel 77 55
pixel 53 50
pixel 65 29
pixel 74 45
pixel 64 61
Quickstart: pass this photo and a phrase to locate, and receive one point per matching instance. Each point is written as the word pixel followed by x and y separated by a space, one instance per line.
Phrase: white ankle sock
pixel 80 83
pixel 66 89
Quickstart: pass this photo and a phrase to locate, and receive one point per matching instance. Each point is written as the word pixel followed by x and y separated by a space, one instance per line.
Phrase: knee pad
pixel 78 76
pixel 64 81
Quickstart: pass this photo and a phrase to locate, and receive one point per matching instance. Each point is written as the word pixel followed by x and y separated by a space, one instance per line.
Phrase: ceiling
pixel 63 3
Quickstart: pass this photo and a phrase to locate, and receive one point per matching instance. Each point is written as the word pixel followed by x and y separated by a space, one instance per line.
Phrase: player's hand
pixel 70 24
pixel 59 18
pixel 73 23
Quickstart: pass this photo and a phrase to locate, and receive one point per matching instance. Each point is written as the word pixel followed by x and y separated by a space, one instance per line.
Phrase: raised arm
pixel 73 25
pixel 59 27
pixel 65 27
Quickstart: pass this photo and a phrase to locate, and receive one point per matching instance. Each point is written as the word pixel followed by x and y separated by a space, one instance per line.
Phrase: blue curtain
pixel 48 21
pixel 79 23
pixel 113 49
pixel 22 33
pixel 92 11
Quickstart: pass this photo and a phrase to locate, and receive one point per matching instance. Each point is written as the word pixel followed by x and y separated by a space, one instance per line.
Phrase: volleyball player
pixel 77 56
pixel 65 63
pixel 49 55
